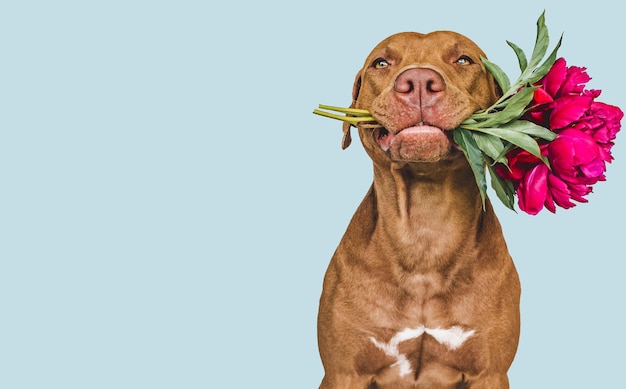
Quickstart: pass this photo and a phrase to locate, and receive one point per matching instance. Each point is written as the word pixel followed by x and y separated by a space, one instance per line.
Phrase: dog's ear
pixel 347 138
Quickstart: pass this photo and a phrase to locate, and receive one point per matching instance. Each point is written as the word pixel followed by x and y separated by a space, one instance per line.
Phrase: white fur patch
pixel 452 338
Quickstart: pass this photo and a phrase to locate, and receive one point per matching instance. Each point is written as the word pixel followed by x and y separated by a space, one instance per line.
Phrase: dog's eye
pixel 380 63
pixel 464 60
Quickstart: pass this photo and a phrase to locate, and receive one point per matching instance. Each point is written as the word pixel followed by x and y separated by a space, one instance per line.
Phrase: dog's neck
pixel 428 214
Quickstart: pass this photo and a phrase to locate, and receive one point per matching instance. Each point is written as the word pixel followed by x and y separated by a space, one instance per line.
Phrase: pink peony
pixel 586 130
pixel 576 162
pixel 601 122
pixel 532 190
pixel 576 158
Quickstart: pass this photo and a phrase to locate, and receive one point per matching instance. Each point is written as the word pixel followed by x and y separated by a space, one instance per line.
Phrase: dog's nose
pixel 420 86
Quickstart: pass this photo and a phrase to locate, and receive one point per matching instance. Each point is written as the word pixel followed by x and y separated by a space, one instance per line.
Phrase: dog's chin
pixel 419 143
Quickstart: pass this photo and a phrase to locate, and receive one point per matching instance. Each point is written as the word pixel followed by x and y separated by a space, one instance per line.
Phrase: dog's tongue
pixel 415 144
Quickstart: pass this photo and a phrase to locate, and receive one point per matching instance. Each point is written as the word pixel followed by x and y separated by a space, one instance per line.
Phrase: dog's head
pixel 419 87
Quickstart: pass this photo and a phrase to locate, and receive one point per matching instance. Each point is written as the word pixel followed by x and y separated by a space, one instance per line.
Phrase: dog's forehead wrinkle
pixel 457 50
pixel 390 51
pixel 423 50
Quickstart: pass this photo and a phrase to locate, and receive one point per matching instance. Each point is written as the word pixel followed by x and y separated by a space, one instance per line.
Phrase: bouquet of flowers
pixel 546 140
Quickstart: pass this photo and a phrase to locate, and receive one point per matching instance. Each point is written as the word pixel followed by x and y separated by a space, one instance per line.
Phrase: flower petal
pixel 575 80
pixel 533 189
pixel 541 96
pixel 567 110
pixel 553 80
pixel 560 192
pixel 594 169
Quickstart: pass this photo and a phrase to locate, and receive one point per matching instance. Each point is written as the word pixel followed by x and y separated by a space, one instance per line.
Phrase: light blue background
pixel 169 204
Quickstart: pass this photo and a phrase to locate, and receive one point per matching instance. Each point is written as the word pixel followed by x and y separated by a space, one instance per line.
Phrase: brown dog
pixel 421 292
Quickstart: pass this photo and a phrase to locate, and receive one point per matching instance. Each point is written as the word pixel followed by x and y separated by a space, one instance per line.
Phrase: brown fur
pixel 420 249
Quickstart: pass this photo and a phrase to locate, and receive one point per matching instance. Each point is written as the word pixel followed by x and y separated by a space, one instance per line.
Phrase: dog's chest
pixel 422 357
pixel 422 298
pixel 422 287
pixel 431 336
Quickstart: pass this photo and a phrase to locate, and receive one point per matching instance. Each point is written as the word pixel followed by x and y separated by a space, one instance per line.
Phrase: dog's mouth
pixel 419 143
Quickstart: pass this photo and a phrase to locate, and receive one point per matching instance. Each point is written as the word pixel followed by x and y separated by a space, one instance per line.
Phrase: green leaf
pixel 541 42
pixel 541 71
pixel 498 74
pixel 514 108
pixel 474 156
pixel 530 70
pixel 517 138
pixel 491 145
pixel 532 129
pixel 501 158
pixel 504 188
pixel 521 56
